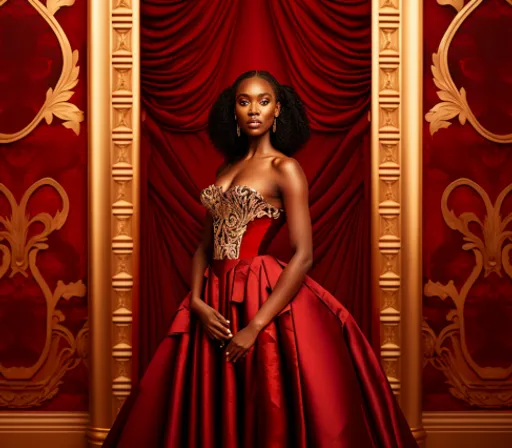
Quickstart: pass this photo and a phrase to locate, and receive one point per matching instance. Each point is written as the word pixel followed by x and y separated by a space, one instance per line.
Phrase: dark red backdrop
pixel 479 61
pixel 31 63
pixel 190 52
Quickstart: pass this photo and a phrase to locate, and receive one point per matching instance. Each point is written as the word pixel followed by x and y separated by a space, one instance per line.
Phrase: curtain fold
pixel 190 52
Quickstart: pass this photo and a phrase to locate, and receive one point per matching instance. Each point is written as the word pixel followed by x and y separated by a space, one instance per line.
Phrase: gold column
pixel 386 200
pixel 396 196
pixel 412 295
pixel 125 181
pixel 114 130
pixel 99 119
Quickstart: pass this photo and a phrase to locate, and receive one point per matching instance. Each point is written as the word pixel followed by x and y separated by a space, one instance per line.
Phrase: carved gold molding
pixel 125 187
pixel 56 102
pixel 487 387
pixel 113 39
pixel 396 214
pixel 43 429
pixel 29 386
pixel 490 429
pixel 454 102
pixel 386 180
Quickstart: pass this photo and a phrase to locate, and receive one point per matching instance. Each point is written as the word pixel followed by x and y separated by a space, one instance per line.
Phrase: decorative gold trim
pixel 411 253
pixel 43 421
pixel 457 4
pixel 487 387
pixel 469 421
pixel 22 387
pixel 454 102
pixel 125 188
pixel 470 429
pixel 100 215
pixel 386 180
pixel 114 195
pixel 56 103
pixel 43 429
pixel 396 214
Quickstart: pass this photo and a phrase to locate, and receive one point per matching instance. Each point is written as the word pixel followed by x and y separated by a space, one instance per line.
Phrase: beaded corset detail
pixel 232 211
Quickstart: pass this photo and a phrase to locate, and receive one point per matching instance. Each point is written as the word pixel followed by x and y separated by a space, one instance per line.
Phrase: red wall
pixel 480 61
pixel 30 63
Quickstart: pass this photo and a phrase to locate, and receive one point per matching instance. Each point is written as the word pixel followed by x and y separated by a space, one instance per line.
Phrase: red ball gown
pixel 311 379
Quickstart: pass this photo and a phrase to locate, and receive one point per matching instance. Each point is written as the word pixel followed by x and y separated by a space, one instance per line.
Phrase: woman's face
pixel 255 106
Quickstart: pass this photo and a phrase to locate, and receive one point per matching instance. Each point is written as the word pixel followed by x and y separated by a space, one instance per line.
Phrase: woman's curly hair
pixel 292 124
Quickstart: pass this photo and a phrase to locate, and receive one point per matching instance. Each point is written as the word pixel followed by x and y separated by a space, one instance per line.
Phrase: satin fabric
pixel 310 380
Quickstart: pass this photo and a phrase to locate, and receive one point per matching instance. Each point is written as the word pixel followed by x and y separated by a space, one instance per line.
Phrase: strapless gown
pixel 311 379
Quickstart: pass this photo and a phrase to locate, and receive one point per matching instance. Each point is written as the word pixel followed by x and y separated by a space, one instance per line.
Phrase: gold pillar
pixel 99 119
pixel 113 42
pixel 412 287
pixel 386 200
pixel 125 67
pixel 396 196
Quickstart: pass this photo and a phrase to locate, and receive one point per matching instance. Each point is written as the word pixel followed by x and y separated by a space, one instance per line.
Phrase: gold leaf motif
pixel 54 5
pixel 487 387
pixel 56 103
pixel 457 4
pixel 454 101
pixel 28 386
pixel 452 104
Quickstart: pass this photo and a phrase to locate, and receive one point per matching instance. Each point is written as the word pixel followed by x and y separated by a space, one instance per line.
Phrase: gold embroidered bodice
pixel 232 211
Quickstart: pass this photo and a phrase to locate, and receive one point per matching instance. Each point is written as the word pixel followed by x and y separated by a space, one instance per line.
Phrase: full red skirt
pixel 311 379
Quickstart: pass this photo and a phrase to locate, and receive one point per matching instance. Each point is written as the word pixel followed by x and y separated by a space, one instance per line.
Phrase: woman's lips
pixel 254 124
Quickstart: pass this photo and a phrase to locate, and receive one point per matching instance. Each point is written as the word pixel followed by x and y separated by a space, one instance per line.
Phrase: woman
pixel 258 354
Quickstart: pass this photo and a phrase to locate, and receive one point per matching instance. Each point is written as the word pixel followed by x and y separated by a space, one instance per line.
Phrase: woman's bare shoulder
pixel 289 174
pixel 287 166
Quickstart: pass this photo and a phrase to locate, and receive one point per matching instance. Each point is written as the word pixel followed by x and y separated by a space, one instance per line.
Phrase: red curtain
pixel 190 52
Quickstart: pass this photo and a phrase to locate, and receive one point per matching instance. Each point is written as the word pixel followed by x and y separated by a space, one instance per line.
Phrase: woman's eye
pixel 264 102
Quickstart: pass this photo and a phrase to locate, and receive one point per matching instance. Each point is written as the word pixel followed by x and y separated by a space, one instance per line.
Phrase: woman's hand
pixel 214 323
pixel 241 343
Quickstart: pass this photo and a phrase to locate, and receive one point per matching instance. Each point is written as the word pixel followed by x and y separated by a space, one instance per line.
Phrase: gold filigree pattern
pixel 487 387
pixel 56 102
pixel 22 387
pixel 454 101
pixel 231 212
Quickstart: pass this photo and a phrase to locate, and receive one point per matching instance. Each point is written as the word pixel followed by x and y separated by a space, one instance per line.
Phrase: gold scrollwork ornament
pixel 57 99
pixel 454 101
pixel 486 387
pixel 22 386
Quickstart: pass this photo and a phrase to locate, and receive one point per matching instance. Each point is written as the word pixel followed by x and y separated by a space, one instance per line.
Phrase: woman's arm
pixel 294 191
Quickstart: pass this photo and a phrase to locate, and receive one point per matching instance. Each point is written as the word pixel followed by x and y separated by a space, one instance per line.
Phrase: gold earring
pixel 275 125
pixel 237 127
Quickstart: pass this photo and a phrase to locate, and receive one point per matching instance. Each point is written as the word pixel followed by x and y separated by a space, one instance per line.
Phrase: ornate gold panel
pixel 57 98
pixel 454 101
pixel 29 386
pixel 486 387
